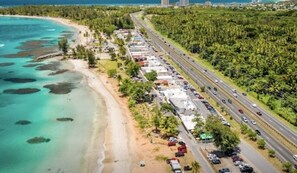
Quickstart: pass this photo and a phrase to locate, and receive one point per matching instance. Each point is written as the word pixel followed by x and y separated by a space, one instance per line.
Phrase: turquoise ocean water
pixel 20 38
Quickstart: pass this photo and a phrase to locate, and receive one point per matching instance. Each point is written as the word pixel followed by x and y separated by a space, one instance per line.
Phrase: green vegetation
pixel 151 76
pixel 261 144
pixel 138 91
pixel 223 137
pixel 287 167
pixel 271 153
pixel 112 73
pixel 256 49
pixel 132 69
pixel 97 18
pixel 37 140
pixel 63 45
pixel 195 167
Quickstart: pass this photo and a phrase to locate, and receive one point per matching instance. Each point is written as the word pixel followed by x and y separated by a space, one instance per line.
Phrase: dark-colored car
pixel 216 161
pixel 259 113
pixel 230 101
pixel 179 154
pixel 240 110
pixel 187 168
pixel 244 94
pixel 258 132
pixel 225 170
pixel 224 101
pixel 236 158
pixel 247 169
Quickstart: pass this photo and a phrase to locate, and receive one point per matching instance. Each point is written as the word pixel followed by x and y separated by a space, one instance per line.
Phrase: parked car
pixel 171 143
pixel 236 158
pixel 187 168
pixel 216 161
pixel 179 154
pixel 240 110
pixel 259 113
pixel 225 170
pixel 247 169
pixel 237 163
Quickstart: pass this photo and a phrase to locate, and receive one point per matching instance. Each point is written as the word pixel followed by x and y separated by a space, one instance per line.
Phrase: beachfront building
pixel 164 3
pixel 183 2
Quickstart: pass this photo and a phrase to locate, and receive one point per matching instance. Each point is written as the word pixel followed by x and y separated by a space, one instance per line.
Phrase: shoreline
pixel 78 35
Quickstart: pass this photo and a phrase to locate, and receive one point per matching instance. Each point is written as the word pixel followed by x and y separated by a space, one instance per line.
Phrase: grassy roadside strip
pixel 207 65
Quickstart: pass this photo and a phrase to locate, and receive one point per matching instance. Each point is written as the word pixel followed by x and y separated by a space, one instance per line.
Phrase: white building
pixel 164 3
pixel 183 2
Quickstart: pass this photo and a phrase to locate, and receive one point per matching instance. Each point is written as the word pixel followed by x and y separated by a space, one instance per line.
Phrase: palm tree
pixel 195 167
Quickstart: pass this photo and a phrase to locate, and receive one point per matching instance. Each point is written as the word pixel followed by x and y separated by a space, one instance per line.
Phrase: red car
pixel 200 97
pixel 240 110
pixel 171 143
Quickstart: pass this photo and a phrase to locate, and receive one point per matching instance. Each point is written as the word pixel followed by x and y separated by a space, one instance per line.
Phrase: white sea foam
pixel 2 45
pixel 51 29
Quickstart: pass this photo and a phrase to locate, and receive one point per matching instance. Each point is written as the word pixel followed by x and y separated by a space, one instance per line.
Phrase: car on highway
pixel 224 101
pixel 216 81
pixel 244 94
pixel 253 122
pixel 258 132
pixel 244 119
pixel 234 91
pixel 234 94
pixel 240 110
pixel 254 105
pixel 230 101
pixel 259 113
pixel 295 157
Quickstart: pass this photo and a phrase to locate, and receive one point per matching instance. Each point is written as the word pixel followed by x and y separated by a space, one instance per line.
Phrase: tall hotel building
pixel 184 2
pixel 164 3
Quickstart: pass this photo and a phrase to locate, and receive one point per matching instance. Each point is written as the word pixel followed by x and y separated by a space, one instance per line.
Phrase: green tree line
pixel 256 49
pixel 97 18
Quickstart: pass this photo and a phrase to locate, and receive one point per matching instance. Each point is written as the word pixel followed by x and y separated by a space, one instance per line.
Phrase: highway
pixel 203 78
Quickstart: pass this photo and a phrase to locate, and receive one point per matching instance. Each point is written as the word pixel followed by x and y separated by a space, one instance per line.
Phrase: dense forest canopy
pixel 257 49
pixel 98 18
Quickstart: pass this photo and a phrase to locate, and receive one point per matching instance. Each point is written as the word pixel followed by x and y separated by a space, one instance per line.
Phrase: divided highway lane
pixel 190 68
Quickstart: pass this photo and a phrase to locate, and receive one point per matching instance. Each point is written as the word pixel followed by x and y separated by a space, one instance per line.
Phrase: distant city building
pixel 183 2
pixel 164 3
pixel 208 3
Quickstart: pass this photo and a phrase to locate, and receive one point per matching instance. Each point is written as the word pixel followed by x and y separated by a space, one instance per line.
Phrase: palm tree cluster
pixel 256 49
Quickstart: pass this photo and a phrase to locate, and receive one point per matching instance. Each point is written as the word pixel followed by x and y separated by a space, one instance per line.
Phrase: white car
pixel 216 81
pixel 234 94
pixel 254 122
pixel 237 163
pixel 295 157
pixel 254 105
